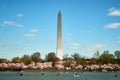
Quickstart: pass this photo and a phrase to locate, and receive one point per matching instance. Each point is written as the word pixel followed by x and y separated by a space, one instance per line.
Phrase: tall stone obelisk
pixel 59 35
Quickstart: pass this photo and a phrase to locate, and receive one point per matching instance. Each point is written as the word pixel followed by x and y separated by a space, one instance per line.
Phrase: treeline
pixel 103 58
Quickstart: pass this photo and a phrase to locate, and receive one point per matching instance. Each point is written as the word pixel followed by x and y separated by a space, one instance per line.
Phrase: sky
pixel 28 26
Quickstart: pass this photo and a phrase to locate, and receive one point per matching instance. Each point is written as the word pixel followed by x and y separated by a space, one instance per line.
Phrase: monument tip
pixel 59 12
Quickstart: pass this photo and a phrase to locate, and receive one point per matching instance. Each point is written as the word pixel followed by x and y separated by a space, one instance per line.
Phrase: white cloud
pixel 112 26
pixel 34 30
pixel 114 12
pixel 20 15
pixel 74 45
pixel 11 23
pixel 29 35
pixel 96 46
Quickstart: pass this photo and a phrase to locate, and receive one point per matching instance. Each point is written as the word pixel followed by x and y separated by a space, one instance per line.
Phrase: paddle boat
pixel 76 75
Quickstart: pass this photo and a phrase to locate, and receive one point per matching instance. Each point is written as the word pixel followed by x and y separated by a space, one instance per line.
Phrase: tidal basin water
pixel 60 76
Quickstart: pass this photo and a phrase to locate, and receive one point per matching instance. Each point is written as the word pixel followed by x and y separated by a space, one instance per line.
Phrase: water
pixel 61 76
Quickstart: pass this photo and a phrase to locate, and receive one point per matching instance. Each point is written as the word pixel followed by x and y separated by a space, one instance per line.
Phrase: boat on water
pixel 42 74
pixel 116 75
pixel 104 70
pixel 76 75
pixel 57 74
pixel 20 73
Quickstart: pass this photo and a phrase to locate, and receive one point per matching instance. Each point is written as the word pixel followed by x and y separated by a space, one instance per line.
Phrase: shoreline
pixel 58 70
pixel 51 70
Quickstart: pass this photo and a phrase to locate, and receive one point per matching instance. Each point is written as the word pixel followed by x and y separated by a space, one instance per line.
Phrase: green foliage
pixel 81 61
pixel 65 56
pixel 26 59
pixel 36 57
pixel 2 60
pixel 106 57
pixel 76 56
pixel 68 58
pixel 50 57
pixel 16 60
pixel 96 55
pixel 117 54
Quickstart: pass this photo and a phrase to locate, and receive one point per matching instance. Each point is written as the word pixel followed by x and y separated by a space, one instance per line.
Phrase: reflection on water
pixel 60 76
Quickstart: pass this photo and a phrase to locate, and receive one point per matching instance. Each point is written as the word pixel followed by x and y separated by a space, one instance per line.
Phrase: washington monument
pixel 59 35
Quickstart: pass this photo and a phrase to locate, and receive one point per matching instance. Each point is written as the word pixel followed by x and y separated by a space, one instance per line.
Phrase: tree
pixel 2 60
pixel 26 59
pixel 16 60
pixel 50 57
pixel 36 57
pixel 76 56
pixel 65 56
pixel 117 54
pixel 68 58
pixel 95 58
pixel 96 55
pixel 106 57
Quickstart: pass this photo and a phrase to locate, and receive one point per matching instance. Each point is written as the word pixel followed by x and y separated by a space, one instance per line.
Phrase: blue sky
pixel 28 26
